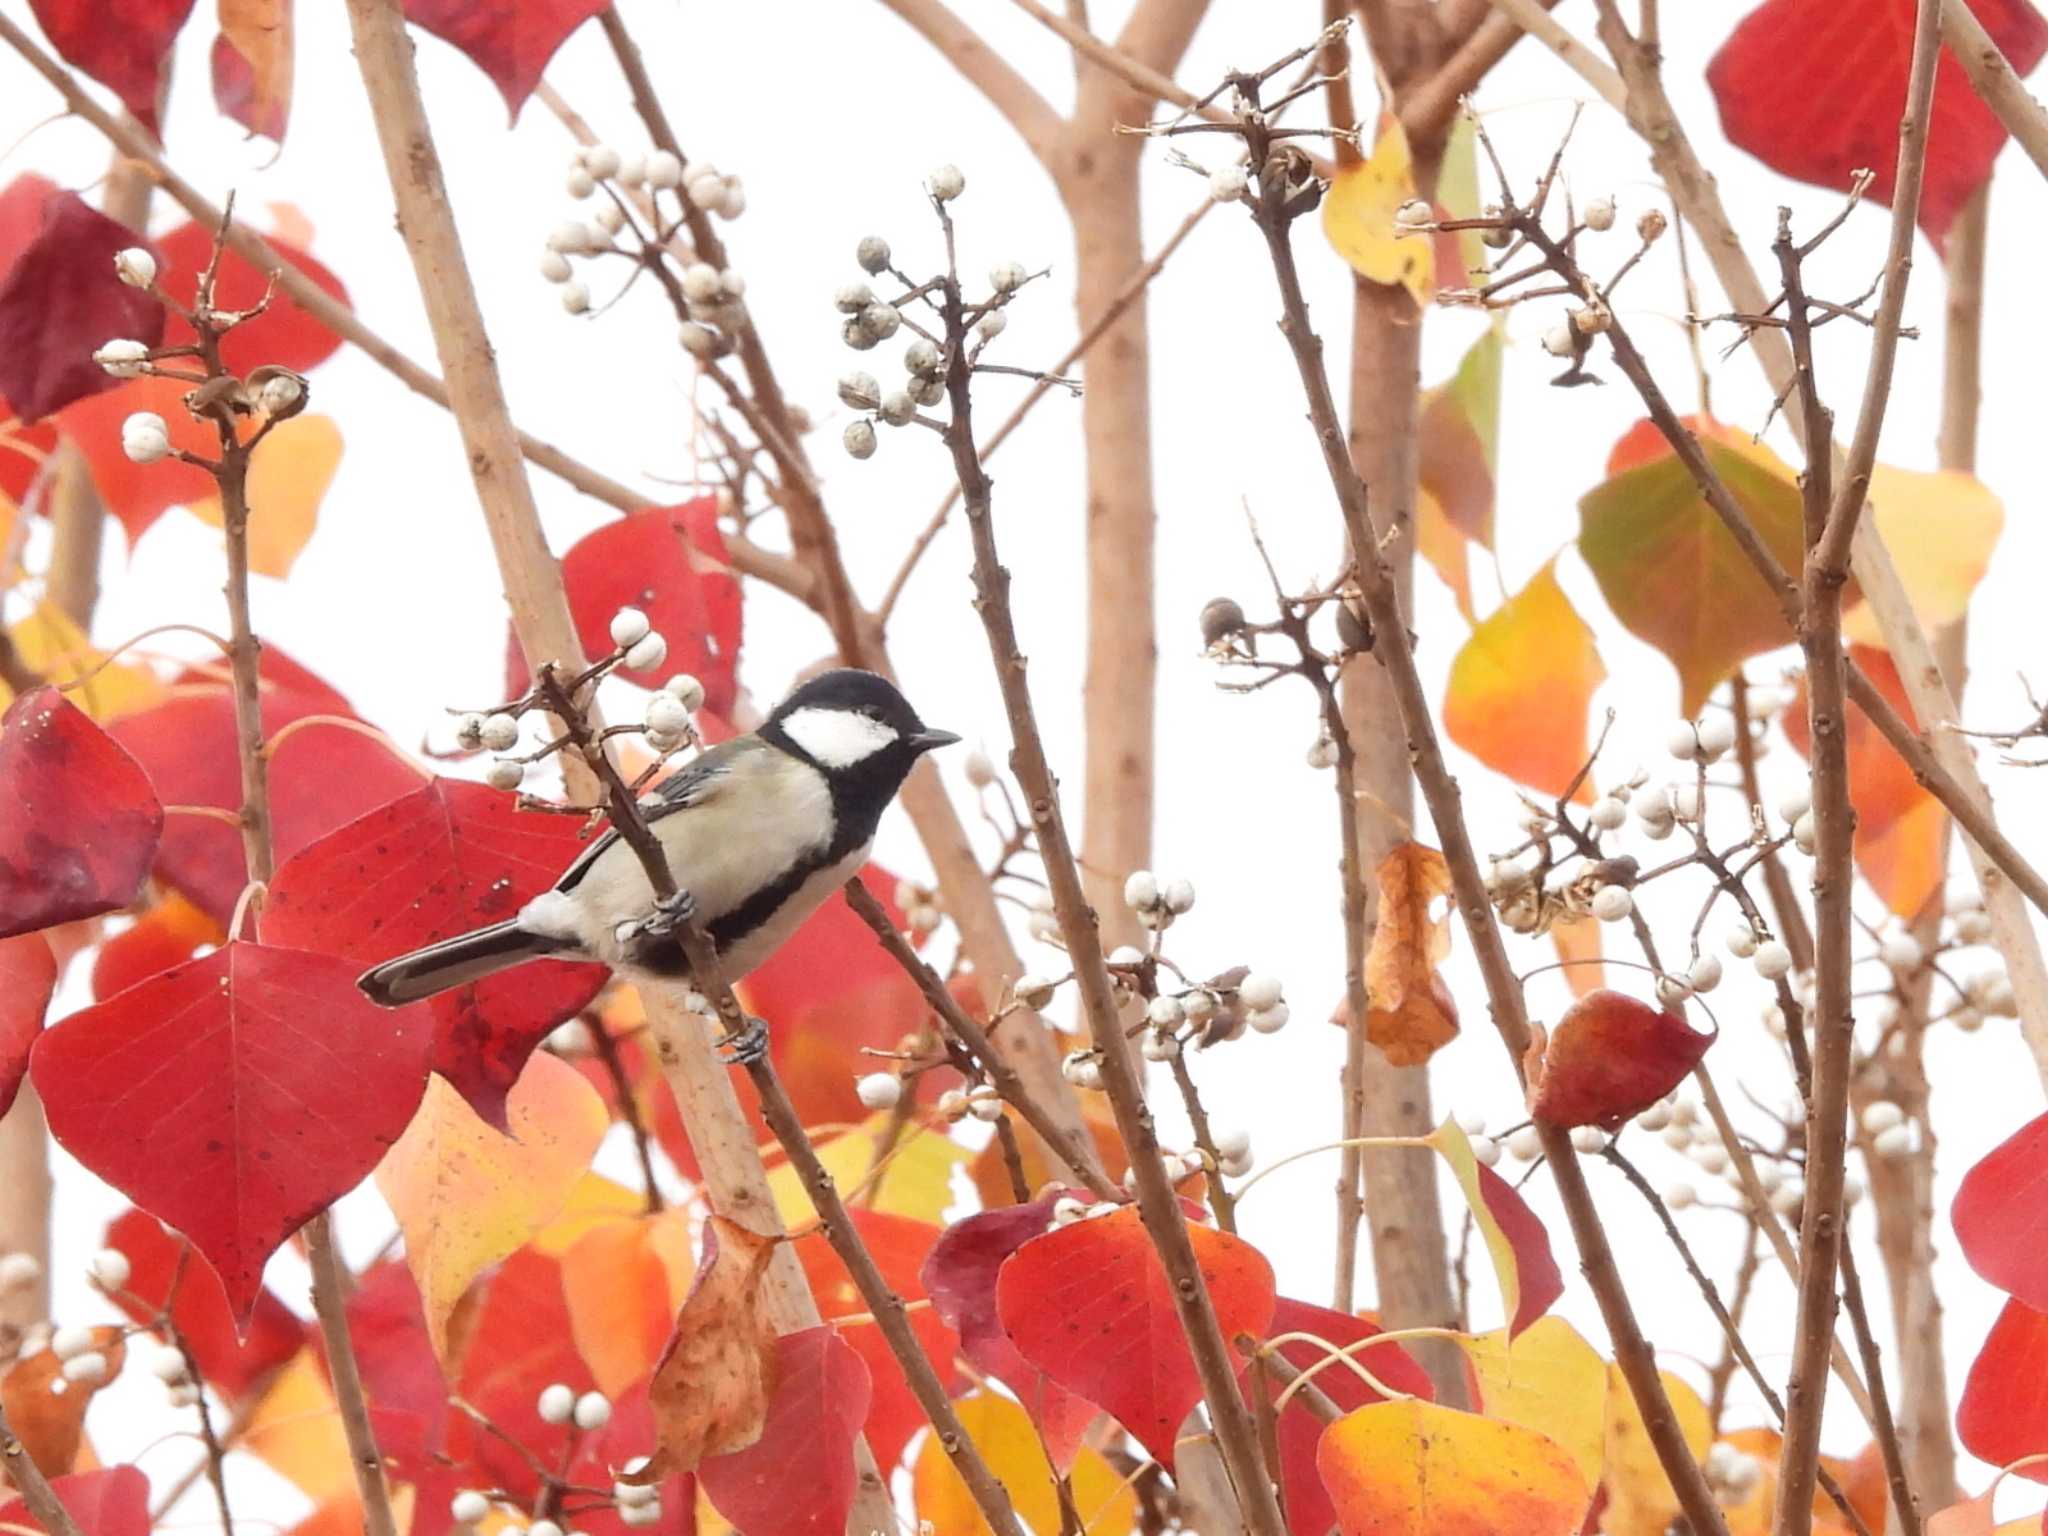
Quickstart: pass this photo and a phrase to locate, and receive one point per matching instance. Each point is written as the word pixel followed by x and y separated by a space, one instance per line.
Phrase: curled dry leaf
pixel 47 1411
pixel 1412 1013
pixel 711 1390
pixel 1612 1057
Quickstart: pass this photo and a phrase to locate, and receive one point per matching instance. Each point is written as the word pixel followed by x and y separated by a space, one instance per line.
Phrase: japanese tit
pixel 759 831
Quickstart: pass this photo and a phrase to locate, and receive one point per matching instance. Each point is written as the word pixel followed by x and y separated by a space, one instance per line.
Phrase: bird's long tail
pixel 453 962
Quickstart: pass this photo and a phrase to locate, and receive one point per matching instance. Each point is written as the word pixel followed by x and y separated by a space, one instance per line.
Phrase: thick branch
pixel 1033 118
pixel 1633 1353
pixel 1992 77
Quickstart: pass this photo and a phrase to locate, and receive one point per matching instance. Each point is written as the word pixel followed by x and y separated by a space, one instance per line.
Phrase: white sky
pixel 396 600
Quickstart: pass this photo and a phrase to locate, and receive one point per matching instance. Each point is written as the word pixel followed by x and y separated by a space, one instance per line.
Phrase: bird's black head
pixel 857 729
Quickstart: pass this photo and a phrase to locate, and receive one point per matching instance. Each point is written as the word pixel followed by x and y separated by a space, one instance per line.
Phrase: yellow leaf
pixel 1358 217
pixel 1549 1380
pixel 917 1183
pixel 52 646
pixel 1009 1442
pixel 1941 529
pixel 289 474
pixel 595 1202
pixel 465 1196
pixel 1521 684
pixel 1640 1499
pixel 297 1432
pixel 1410 1468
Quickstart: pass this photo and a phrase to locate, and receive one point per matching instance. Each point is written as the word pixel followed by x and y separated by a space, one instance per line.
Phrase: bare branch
pixel 1033 118
pixel 1993 78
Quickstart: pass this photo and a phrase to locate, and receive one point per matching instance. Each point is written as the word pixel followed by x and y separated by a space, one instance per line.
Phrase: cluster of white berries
pixel 920 904
pixel 560 1403
pixel 1264 1008
pixel 1179 1165
pixel 981 1101
pixel 1891 1133
pixel 124 357
pixel 1734 1475
pixel 145 437
pixel 1157 902
pixel 1069 1209
pixel 78 1351
pixel 172 1369
pixel 1082 1068
pixel 622 174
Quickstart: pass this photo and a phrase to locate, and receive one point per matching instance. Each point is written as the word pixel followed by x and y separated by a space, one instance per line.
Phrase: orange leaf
pixel 623 1282
pixel 1669 569
pixel 466 1196
pixel 289 474
pixel 1578 941
pixel 260 34
pixel 1412 1012
pixel 298 1434
pixel 710 1391
pixel 47 1411
pixel 1901 828
pixel 1457 442
pixel 1411 1468
pixel 1521 684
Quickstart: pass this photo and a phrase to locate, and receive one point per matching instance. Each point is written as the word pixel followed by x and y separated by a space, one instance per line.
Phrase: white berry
pixel 145 438
pixel 1259 991
pixel 71 1340
pixel 664 170
pixel 1588 1138
pixel 111 1269
pixel 1227 183
pixel 469 1506
pixel 504 773
pixel 1681 1196
pixel 1612 903
pixel 646 653
pixel 1141 891
pixel 1741 941
pixel 1599 214
pixel 1525 1145
pixel 1705 974
pixel 1607 813
pixel 135 267
pixel 575 297
pixel 1772 960
pixel 593 1410
pixel 1716 736
pixel 88 1369
pixel 628 625
pixel 1881 1115
pixel 499 732
pixel 1268 1021
pixel 859 439
pixel 122 358
pixel 946 183
pixel 1900 951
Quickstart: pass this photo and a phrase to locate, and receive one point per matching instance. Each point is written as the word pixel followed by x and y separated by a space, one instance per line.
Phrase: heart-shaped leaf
pixel 61 300
pixel 234 1097
pixel 86 819
pixel 1092 1306
pixel 2001 1215
pixel 813 1417
pixel 509 40
pixel 2002 1416
pixel 1612 1057
pixel 130 59
pixel 446 858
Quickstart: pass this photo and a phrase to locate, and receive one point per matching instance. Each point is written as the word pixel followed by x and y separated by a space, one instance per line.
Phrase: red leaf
pixel 960 1277
pixel 521 1341
pixel 2003 1415
pixel 408 1396
pixel 1816 92
pixel 900 1247
pixel 669 562
pixel 60 301
pixel 85 821
pixel 157 1260
pixel 509 40
pixel 820 1401
pixel 235 93
pixel 628 1435
pixel 1091 1306
pixel 168 934
pixel 321 778
pixel 284 334
pixel 449 857
pixel 111 1501
pixel 235 1097
pixel 21 215
pixel 123 44
pixel 28 975
pixel 1612 1057
pixel 1309 1510
pixel 2001 1215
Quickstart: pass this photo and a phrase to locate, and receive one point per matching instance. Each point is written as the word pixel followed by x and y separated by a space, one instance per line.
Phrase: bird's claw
pixel 669 914
pixel 745 1046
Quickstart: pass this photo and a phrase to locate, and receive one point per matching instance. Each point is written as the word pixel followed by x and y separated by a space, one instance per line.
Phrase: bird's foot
pixel 669 914
pixel 744 1047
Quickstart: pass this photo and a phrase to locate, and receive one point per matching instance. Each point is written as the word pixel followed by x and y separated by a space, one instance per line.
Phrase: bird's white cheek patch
pixel 837 738
pixel 551 915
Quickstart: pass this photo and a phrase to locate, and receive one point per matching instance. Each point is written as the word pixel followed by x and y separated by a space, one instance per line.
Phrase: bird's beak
pixel 926 740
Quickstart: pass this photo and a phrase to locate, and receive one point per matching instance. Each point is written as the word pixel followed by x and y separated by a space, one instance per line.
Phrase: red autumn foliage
pixel 2003 1413
pixel 60 301
pixel 820 1400
pixel 2001 1215
pixel 123 44
pixel 509 40
pixel 84 819
pixel 28 975
pixel 1612 1057
pixel 449 857
pixel 234 1097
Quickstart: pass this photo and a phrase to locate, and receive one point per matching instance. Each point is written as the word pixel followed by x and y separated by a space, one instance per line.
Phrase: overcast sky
pixel 832 114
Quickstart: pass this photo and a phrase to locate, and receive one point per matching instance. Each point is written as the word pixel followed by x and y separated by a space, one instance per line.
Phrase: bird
pixel 758 832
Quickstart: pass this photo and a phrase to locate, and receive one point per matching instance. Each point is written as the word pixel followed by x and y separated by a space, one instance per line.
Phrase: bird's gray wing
pixel 687 787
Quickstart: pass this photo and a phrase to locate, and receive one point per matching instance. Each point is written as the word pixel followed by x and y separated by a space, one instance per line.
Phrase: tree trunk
pixel 1100 185
pixel 1409 1257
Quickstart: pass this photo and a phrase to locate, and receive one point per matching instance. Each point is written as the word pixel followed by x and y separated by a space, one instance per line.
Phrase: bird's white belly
pixel 757 946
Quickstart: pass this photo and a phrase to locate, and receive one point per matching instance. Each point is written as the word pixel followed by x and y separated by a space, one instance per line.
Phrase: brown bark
pixel 1409 1256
